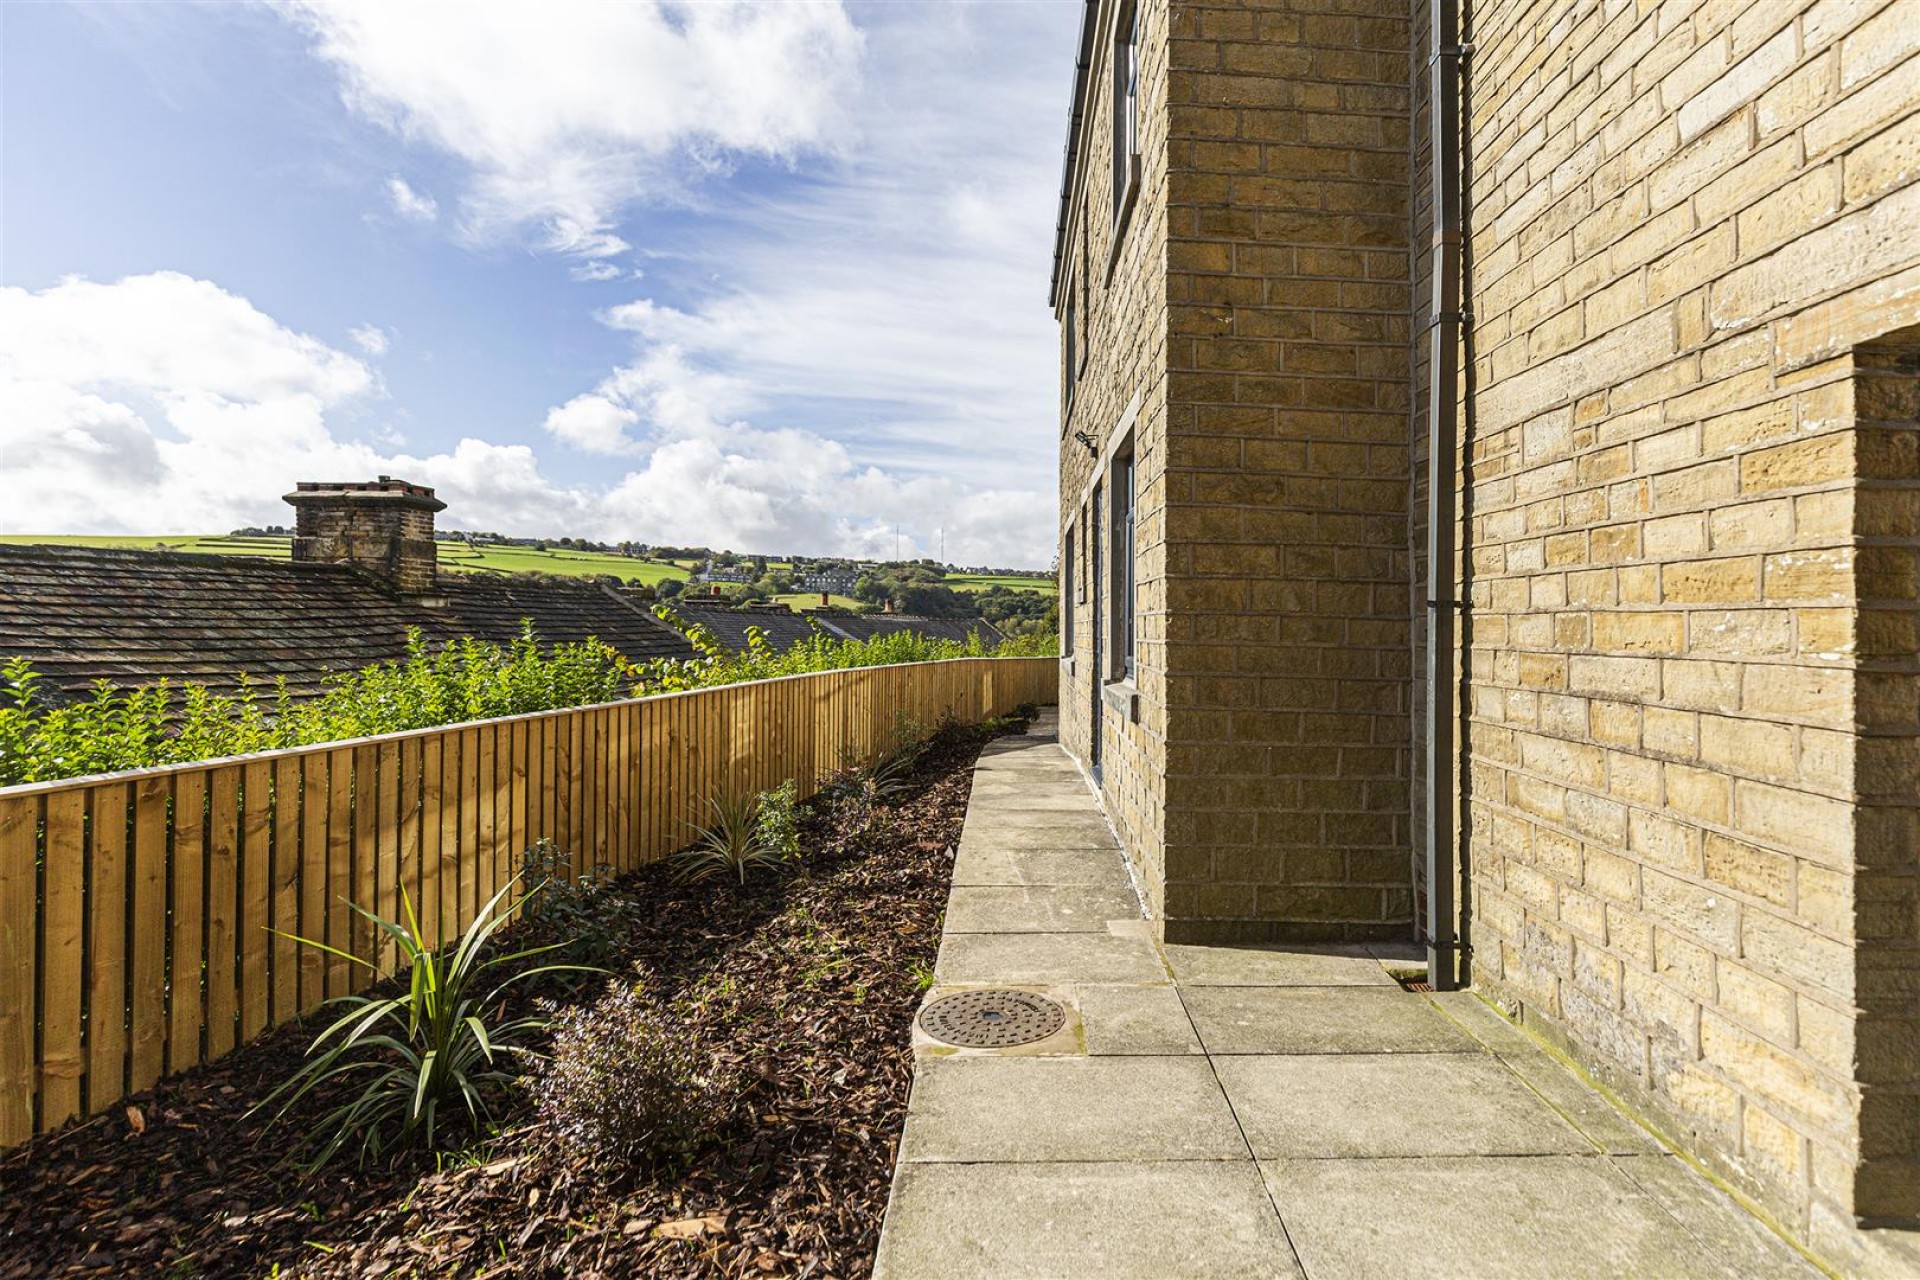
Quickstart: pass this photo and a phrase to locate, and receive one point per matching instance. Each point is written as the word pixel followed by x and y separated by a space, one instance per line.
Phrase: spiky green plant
pixel 424 1051
pixel 737 842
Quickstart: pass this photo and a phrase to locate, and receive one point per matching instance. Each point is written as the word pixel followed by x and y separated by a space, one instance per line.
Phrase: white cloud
pixel 886 293
pixel 371 339
pixel 594 272
pixel 413 206
pixel 567 113
pixel 165 404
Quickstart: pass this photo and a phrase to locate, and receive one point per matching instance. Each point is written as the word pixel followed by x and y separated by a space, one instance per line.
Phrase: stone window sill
pixel 1123 698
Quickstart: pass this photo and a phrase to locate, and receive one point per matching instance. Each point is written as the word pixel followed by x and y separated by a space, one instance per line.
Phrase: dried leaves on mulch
pixel 806 983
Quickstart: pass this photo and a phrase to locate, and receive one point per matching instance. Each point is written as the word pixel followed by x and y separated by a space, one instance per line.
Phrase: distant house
pixel 738 574
pixel 838 582
pixel 784 628
pixel 363 572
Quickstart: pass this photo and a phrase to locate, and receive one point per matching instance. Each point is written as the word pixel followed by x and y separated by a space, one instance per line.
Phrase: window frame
pixel 1068 635
pixel 1123 506
pixel 1124 73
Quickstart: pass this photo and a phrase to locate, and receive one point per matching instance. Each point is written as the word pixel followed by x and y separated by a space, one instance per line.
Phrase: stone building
pixel 1676 570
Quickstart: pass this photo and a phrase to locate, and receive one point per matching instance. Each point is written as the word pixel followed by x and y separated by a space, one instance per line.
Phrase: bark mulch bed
pixel 806 987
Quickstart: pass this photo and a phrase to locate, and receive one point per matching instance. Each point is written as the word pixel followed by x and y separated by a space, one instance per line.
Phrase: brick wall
pixel 1687 218
pixel 1288 384
pixel 1117 276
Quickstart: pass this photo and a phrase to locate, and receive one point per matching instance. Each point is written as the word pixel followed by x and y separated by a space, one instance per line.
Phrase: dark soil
pixel 804 986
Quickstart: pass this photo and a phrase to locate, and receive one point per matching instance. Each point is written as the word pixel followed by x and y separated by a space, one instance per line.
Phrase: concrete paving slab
pixel 1038 908
pixel 1167 1221
pixel 1022 1109
pixel 1040 864
pixel 1135 1020
pixel 1276 967
pixel 1059 824
pixel 1569 1217
pixel 1022 958
pixel 1321 1020
pixel 1377 1105
pixel 1553 1080
pixel 1736 1237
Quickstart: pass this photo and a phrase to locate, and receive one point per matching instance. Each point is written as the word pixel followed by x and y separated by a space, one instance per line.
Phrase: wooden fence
pixel 136 908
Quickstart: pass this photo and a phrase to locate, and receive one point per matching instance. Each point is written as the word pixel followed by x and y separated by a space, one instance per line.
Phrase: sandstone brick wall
pixel 1288 382
pixel 1688 219
pixel 1121 390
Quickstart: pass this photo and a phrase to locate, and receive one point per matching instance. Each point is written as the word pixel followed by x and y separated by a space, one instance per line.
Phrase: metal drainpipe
pixel 1444 128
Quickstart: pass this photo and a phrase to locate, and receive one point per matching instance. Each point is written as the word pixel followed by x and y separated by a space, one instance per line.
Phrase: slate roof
pixel 133 617
pixel 730 625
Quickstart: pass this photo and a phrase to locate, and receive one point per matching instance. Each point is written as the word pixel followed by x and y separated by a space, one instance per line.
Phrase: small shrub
pixel 625 1082
pixel 736 843
pixel 423 1052
pixel 587 923
pixel 780 820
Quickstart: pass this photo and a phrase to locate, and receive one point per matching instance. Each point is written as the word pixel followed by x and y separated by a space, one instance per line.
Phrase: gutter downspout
pixel 1443 434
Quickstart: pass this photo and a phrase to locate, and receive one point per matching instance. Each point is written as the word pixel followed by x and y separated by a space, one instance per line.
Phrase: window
pixel 1126 109
pixel 1086 312
pixel 1066 594
pixel 1071 337
pixel 1124 577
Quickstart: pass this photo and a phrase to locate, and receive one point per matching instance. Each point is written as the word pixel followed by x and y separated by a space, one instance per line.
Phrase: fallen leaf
pixel 688 1228
pixel 135 1120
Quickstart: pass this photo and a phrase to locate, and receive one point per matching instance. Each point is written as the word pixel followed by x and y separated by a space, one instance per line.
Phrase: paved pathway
pixel 1216 1111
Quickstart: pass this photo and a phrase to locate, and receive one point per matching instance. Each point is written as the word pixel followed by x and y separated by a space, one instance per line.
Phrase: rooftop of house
pixel 136 617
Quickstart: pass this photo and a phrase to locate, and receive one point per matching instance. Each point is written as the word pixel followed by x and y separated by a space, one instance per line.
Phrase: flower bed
pixel 798 993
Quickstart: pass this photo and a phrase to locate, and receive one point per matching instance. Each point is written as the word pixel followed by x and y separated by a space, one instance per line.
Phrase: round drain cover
pixel 992 1019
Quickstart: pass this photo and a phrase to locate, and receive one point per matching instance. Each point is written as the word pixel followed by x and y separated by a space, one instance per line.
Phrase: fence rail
pixel 136 909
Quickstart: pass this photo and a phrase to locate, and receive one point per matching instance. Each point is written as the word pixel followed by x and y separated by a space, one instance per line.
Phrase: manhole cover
pixel 992 1019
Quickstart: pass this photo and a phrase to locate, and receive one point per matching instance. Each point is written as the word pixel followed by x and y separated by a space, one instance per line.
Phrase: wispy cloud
pixel 370 338
pixel 569 114
pixel 413 206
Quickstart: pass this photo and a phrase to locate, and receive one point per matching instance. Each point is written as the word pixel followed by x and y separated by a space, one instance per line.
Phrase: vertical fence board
pixel 223 910
pixel 432 792
pixel 285 914
pixel 106 959
pixel 147 946
pixel 453 770
pixel 255 894
pixel 19 917
pixel 187 963
pixel 386 873
pixel 517 797
pixel 470 776
pixel 486 866
pixel 410 818
pixel 315 844
pixel 341 885
pixel 61 958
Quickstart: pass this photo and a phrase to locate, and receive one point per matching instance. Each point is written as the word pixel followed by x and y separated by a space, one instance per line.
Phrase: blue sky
pixel 766 276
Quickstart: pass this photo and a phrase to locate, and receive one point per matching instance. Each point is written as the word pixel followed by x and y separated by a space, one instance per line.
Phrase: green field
pixel 498 559
pixel 453 555
pixel 1013 582
pixel 804 600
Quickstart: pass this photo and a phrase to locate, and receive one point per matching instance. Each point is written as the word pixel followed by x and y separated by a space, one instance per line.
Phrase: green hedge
pixel 163 724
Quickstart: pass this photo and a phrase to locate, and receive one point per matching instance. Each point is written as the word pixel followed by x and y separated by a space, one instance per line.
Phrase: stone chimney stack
pixel 385 526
